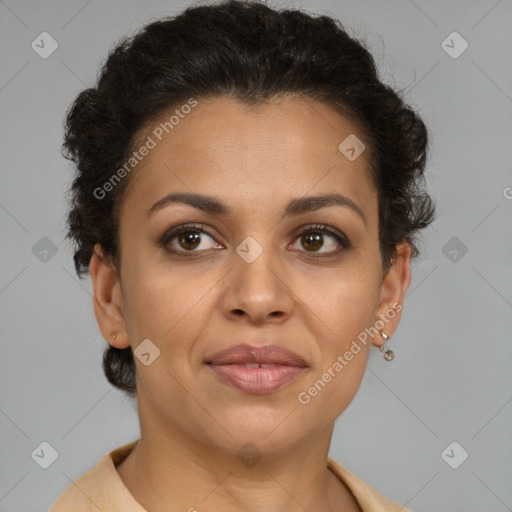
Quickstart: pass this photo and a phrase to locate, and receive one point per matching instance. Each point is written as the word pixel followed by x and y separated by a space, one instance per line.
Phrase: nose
pixel 258 291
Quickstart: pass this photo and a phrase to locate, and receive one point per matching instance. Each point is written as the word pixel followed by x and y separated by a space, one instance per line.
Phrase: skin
pixel 193 423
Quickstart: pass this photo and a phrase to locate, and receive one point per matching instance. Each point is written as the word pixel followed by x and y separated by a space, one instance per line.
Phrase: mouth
pixel 257 378
pixel 261 365
pixel 257 370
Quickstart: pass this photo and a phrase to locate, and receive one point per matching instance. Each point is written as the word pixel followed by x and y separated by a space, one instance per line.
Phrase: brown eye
pixel 314 238
pixel 188 239
pixel 313 241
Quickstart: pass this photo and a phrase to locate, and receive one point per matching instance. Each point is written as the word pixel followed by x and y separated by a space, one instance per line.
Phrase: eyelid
pixel 305 228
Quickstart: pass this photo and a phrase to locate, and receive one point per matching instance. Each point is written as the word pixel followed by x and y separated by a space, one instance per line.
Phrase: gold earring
pixel 388 354
pixel 113 336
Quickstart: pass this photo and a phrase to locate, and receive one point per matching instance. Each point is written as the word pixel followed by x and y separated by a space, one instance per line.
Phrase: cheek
pixel 345 301
pixel 337 385
pixel 166 305
pixel 346 310
pixel 167 310
pixel 344 353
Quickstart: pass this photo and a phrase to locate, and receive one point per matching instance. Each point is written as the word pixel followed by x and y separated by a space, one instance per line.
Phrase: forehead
pixel 280 150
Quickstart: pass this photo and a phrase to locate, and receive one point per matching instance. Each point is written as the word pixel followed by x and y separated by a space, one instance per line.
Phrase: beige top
pixel 102 489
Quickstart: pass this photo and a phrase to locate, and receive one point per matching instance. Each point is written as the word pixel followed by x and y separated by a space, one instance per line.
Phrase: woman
pixel 247 199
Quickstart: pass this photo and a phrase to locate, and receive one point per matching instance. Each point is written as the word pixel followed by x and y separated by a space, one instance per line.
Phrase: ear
pixel 392 292
pixel 107 298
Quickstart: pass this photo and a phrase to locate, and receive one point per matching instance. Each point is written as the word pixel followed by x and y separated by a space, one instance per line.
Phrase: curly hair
pixel 250 52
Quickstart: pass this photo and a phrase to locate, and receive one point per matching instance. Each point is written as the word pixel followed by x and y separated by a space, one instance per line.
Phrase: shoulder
pixel 368 498
pixel 100 488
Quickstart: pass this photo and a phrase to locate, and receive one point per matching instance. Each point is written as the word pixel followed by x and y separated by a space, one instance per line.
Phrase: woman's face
pixel 251 277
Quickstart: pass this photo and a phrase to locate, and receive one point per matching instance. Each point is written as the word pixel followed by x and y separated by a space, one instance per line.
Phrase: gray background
pixel 450 380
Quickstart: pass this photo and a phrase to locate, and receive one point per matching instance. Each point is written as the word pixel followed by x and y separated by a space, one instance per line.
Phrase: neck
pixel 169 471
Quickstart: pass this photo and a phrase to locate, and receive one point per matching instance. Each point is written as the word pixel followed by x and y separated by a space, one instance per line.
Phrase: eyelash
pixel 316 228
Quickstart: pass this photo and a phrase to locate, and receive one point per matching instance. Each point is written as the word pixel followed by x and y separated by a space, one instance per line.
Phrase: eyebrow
pixel 295 207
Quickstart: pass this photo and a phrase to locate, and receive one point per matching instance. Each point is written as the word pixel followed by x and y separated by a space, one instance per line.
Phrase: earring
pixel 388 354
pixel 113 336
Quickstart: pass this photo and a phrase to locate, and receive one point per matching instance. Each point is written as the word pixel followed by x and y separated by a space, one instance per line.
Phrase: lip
pixel 257 370
pixel 266 354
